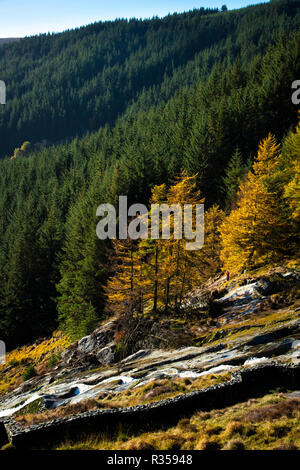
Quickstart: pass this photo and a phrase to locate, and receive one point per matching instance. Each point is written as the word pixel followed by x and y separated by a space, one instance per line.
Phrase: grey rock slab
pixel 107 354
pixel 137 355
pixel 295 394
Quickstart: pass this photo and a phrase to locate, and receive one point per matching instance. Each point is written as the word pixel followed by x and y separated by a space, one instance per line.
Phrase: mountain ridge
pixel 56 91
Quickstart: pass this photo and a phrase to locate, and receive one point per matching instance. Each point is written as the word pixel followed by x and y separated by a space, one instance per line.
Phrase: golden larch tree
pixel 254 232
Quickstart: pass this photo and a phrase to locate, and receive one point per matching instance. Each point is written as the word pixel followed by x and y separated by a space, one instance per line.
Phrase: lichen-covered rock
pixel 138 355
pixel 98 339
pixel 93 349
pixel 107 355
pixel 276 283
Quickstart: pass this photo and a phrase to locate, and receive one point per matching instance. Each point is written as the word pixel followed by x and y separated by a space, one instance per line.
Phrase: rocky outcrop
pixel 108 354
pixel 93 350
pixel 276 283
pixel 88 367
pixel 99 348
pixel 97 340
pixel 277 333
pixel 254 295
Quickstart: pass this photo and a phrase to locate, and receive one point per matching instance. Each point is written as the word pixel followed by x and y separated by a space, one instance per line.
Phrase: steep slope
pixel 243 354
pixel 62 85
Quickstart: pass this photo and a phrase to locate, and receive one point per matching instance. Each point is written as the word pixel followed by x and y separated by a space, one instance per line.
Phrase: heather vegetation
pixel 268 423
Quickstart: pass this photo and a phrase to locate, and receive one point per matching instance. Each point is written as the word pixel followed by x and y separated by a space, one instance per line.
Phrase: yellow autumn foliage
pixel 291 194
pixel 17 360
pixel 154 274
pixel 254 232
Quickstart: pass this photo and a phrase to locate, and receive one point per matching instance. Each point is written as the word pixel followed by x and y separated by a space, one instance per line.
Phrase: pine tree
pixel 81 300
pixel 234 172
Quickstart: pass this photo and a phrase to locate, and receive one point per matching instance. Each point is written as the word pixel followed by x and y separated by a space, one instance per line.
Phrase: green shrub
pixel 53 360
pixel 13 363
pixel 29 373
pixel 34 407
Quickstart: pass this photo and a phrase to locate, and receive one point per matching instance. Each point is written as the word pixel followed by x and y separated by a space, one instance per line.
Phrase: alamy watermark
pixel 296 94
pixel 2 101
pixel 161 222
pixel 2 352
pixel 2 92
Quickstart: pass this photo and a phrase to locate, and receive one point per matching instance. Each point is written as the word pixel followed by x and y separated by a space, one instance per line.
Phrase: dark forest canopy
pixel 116 108
pixel 62 85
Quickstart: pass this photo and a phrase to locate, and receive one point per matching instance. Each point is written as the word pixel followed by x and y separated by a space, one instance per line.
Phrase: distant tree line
pixel 63 85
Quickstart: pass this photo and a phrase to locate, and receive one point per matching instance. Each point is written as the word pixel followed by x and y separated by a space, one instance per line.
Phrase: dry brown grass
pixel 224 429
pixel 37 354
pixel 286 446
pixel 234 427
pixel 213 430
pixel 62 412
pixel 186 425
pixel 163 388
pixel 169 440
pixel 139 444
pixel 277 430
pixel 207 444
pixel 160 390
pixel 235 444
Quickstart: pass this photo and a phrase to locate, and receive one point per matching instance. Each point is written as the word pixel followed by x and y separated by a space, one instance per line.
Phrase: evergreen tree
pixel 234 173
pixel 82 269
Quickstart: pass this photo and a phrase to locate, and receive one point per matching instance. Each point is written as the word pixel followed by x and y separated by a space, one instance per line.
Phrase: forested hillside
pixel 65 84
pixel 8 40
pixel 195 92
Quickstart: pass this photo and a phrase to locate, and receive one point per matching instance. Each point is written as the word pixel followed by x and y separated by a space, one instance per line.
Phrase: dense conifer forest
pixel 122 108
